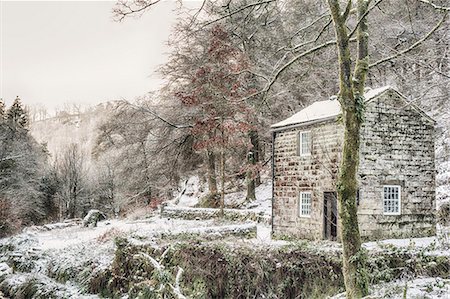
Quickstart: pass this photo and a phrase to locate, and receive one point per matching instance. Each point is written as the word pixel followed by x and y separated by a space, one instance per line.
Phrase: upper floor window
pixel 391 200
pixel 304 143
pixel 305 204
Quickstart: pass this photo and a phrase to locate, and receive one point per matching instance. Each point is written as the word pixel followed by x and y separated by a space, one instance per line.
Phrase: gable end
pixel 419 110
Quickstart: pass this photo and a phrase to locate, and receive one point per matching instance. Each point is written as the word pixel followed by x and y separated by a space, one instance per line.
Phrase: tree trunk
pixel 352 103
pixel 353 258
pixel 222 173
pixel 148 191
pixel 254 139
pixel 212 181
pixel 251 180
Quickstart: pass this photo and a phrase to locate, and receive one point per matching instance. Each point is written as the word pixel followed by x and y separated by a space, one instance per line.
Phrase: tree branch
pixel 362 63
pixel 438 7
pixel 294 59
pixel 238 11
pixel 347 10
pixel 363 17
pixel 413 46
pixel 176 126
pixel 309 25
pixel 124 8
pixel 11 157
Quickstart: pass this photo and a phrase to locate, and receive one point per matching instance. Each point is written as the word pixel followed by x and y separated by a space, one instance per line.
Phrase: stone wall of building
pixel 294 173
pixel 397 148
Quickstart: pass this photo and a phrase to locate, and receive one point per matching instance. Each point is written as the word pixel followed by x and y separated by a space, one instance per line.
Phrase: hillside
pixel 67 128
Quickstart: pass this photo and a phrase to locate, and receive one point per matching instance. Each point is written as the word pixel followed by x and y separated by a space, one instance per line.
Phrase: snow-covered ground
pixel 73 245
pixel 191 190
pixel 430 244
pixel 443 184
pixel 419 288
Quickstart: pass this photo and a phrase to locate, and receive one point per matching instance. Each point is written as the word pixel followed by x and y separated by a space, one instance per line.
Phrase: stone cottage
pixel 396 196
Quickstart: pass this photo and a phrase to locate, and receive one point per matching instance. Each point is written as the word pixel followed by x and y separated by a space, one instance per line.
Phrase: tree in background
pixel 107 185
pixel 149 148
pixel 73 189
pixel 17 115
pixel 217 94
pixel 48 187
pixel 2 110
pixel 23 164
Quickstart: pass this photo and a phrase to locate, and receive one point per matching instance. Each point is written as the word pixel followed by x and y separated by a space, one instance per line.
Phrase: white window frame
pixel 399 199
pixel 300 144
pixel 301 205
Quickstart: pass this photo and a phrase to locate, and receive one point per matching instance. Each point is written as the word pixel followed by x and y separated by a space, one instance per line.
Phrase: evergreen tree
pixel 2 110
pixel 17 115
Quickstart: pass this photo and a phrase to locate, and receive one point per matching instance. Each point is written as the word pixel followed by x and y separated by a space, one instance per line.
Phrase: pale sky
pixel 72 51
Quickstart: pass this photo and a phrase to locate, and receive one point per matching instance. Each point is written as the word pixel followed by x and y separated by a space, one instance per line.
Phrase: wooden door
pixel 330 215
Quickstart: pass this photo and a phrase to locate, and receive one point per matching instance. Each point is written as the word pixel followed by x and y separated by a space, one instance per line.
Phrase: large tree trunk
pixel 352 103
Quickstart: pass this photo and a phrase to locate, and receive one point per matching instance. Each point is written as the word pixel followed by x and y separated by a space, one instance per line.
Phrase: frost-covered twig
pixel 154 262
pixel 160 268
pixel 164 254
pixel 176 289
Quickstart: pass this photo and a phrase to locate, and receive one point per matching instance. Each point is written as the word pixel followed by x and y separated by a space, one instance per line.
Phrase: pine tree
pixel 2 110
pixel 17 115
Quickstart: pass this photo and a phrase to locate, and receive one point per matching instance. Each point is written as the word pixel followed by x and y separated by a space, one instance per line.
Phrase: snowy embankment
pixel 62 261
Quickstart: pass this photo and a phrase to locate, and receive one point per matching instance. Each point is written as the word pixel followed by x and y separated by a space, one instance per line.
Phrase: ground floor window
pixel 391 200
pixel 305 204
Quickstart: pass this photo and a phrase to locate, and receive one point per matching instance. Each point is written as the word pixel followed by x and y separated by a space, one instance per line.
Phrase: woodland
pixel 234 68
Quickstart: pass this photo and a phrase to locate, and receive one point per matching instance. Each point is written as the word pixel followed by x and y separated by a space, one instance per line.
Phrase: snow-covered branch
pixel 413 46
pixel 435 6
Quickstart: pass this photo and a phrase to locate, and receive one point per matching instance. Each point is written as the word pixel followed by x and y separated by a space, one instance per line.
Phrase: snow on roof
pixel 322 110
pixel 318 110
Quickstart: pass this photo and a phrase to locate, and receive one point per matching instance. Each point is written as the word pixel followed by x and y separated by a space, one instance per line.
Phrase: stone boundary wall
pixel 247 231
pixel 210 213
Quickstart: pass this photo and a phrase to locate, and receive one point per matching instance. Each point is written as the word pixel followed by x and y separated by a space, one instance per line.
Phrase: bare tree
pixel 71 172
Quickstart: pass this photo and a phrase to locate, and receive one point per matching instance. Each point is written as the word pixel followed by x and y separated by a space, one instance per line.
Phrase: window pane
pixel 305 146
pixel 391 199
pixel 305 204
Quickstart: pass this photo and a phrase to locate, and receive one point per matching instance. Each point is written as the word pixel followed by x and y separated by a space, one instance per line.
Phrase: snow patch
pixel 191 192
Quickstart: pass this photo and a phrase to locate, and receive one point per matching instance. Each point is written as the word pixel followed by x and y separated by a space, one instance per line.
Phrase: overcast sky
pixel 57 52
